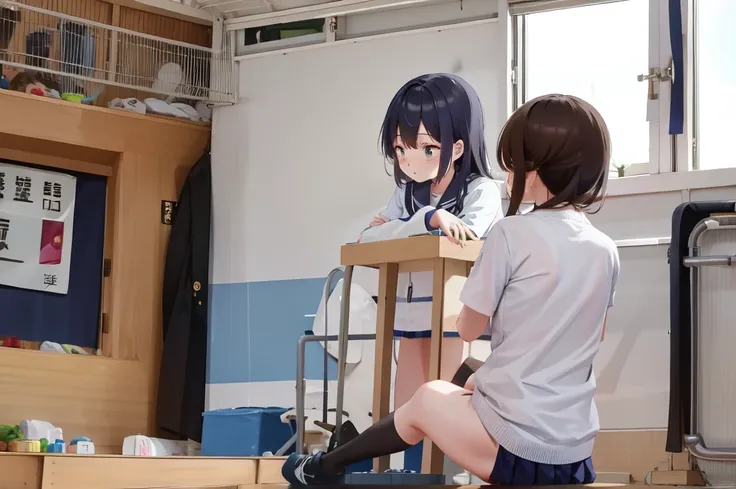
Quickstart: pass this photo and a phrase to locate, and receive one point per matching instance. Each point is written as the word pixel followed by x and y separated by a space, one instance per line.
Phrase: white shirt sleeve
pixel 614 280
pixel 490 274
pixel 395 207
pixel 481 209
pixel 398 226
pixel 482 206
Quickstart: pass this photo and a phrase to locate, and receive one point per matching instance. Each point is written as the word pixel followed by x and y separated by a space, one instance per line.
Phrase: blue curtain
pixel 677 102
pixel 73 318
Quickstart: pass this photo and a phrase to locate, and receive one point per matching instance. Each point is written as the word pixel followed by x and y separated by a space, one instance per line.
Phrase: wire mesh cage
pixel 79 56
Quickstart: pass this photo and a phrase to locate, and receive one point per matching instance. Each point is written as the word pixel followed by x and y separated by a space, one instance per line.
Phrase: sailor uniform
pixel 409 212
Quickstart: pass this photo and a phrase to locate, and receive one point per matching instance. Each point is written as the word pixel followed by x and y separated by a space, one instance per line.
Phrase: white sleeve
pixel 614 280
pixel 395 207
pixel 482 206
pixel 398 226
pixel 490 274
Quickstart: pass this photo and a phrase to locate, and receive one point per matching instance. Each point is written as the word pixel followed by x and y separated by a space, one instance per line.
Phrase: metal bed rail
pixel 301 384
pixel 343 337
pixel 694 442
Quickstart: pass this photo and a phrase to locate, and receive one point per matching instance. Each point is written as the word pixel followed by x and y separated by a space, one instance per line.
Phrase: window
pixel 595 52
pixel 715 83
pixel 279 36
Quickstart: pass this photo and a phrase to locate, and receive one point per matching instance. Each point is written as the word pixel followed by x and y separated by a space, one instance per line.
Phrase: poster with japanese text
pixel 36 224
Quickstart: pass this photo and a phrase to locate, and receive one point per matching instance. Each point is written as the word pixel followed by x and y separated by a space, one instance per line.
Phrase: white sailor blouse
pixel 409 211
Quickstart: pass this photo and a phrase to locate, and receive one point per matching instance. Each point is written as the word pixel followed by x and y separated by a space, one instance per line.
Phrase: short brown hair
pixel 566 141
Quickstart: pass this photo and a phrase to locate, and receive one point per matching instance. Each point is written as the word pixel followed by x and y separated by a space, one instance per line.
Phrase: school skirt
pixel 414 319
pixel 511 470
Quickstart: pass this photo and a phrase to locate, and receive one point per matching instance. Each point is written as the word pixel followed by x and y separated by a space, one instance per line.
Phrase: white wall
pixel 306 128
pixel 632 368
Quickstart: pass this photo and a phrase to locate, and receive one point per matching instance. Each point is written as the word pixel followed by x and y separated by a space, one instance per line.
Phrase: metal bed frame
pixel 342 337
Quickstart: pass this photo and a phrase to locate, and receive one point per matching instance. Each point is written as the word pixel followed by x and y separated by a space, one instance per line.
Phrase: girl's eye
pixel 400 151
pixel 429 151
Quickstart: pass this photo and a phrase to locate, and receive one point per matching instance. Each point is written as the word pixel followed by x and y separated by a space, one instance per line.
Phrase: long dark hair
pixel 566 141
pixel 450 110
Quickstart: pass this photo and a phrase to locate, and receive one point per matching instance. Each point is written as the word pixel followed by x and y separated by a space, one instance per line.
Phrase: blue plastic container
pixel 244 432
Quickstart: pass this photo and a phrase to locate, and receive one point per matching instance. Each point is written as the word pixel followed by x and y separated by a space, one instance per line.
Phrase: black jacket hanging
pixel 181 390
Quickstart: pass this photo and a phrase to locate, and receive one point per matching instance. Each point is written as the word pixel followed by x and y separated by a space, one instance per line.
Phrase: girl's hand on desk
pixel 378 220
pixel 455 229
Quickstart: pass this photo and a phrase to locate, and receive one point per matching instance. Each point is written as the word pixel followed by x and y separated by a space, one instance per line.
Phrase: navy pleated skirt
pixel 511 470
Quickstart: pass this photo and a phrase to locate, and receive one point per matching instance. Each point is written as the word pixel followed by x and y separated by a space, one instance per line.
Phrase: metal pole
pixel 325 384
pixel 708 261
pixel 343 347
pixel 300 393
pixel 300 367
pixel 694 333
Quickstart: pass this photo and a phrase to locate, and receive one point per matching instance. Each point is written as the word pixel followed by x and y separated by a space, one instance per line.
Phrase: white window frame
pixel 671 157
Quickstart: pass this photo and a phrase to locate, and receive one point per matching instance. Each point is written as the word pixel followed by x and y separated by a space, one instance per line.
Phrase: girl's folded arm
pixel 397 226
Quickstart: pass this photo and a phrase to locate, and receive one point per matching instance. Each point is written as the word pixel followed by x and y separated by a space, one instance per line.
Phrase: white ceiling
pixel 241 8
pixel 252 13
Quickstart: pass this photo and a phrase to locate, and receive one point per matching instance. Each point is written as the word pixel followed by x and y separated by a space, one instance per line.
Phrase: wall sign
pixel 36 224
pixel 167 211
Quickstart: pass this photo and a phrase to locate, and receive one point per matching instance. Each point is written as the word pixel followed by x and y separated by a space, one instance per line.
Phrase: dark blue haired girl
pixel 433 134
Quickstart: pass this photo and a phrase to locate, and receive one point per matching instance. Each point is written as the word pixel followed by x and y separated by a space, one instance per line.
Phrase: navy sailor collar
pixel 417 195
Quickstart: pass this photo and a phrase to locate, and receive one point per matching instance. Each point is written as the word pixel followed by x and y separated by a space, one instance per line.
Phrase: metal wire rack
pixel 75 55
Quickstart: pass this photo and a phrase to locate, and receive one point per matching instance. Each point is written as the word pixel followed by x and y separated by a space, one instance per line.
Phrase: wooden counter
pixel 37 471
pixel 117 472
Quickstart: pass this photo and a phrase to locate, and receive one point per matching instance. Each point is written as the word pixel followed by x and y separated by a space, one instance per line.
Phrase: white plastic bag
pixel 363 312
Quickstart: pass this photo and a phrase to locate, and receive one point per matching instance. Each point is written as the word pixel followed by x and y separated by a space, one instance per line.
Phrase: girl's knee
pixel 430 391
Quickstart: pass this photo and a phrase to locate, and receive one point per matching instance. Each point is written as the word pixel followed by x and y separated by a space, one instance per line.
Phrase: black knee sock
pixel 468 368
pixel 378 440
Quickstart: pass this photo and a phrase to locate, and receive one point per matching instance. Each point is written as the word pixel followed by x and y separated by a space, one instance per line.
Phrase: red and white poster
pixel 36 224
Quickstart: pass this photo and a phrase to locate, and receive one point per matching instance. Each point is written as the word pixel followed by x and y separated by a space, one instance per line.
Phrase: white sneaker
pixel 462 479
pixel 467 479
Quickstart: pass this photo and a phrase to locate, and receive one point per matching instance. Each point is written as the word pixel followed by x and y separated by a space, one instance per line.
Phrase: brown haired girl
pixel 545 281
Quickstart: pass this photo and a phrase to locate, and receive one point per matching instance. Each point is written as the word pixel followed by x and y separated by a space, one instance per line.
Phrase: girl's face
pixel 422 163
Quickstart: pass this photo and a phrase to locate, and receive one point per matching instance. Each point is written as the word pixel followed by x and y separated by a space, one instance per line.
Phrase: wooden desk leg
pixel 387 282
pixel 445 308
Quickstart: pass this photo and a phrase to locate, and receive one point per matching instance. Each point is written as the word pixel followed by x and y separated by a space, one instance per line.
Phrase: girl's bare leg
pixel 452 357
pixel 413 365
pixel 411 369
pixel 442 412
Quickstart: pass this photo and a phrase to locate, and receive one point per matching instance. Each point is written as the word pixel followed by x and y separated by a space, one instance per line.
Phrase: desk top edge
pixel 407 249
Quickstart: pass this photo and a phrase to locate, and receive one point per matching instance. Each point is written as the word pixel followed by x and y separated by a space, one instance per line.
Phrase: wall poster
pixel 36 224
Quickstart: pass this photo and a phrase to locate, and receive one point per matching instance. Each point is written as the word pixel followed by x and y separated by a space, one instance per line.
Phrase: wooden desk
pixel 450 264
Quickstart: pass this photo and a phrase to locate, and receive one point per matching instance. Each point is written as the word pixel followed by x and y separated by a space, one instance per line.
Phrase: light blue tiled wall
pixel 254 329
